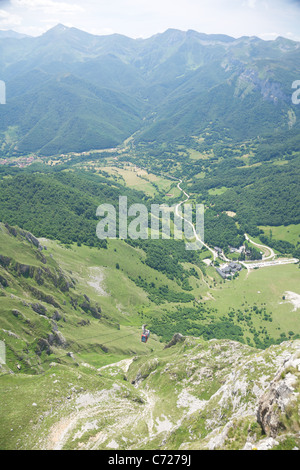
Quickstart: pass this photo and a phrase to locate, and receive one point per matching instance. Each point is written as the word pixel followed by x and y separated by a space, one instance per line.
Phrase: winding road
pixel 270 256
pixel 215 254
pixel 266 261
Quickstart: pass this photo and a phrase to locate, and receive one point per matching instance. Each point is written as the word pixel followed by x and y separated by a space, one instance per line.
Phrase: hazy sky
pixel 143 18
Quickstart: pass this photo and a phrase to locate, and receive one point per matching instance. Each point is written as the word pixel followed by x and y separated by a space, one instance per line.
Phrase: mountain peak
pixel 57 30
pixel 59 27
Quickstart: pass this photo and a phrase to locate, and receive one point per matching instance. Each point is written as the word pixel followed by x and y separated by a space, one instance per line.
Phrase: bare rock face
pixel 43 345
pixel 56 338
pixel 32 239
pixel 39 308
pixel 281 396
pixel 177 338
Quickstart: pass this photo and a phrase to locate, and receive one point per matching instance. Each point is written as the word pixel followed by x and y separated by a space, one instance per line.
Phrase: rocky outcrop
pixel 32 239
pixel 232 396
pixel 14 231
pixel 17 314
pixel 5 261
pixel 56 316
pixel 3 281
pixel 250 79
pixel 41 274
pixel 44 297
pixel 282 395
pixel 39 308
pixel 145 371
pixel 57 339
pixel 88 308
pixel 177 338
pixel 43 346
pixel 197 395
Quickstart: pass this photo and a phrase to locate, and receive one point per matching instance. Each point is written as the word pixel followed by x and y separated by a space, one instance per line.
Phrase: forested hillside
pixel 59 205
pixel 68 90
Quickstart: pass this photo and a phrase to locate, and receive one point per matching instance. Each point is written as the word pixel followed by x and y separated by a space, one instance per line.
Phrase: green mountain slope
pixel 40 304
pixel 77 375
pixel 192 395
pixel 158 283
pixel 68 90
pixel 68 114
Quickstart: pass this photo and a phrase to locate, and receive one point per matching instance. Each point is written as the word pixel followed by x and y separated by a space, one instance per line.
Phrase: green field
pixel 217 191
pixel 263 287
pixel 135 178
pixel 289 233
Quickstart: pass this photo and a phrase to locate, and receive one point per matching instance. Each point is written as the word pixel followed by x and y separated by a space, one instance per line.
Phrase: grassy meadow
pixel 288 233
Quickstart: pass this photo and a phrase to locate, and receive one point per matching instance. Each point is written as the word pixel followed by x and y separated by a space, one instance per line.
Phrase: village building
pixel 228 271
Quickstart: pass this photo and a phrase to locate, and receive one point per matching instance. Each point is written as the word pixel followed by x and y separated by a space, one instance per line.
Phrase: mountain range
pixel 68 90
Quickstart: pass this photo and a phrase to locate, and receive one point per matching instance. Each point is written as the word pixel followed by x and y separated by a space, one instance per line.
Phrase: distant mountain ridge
pixel 69 90
pixel 9 33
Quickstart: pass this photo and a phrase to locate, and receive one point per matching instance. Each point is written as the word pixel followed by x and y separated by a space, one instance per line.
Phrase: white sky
pixel 266 19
